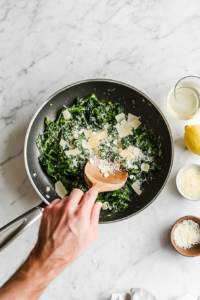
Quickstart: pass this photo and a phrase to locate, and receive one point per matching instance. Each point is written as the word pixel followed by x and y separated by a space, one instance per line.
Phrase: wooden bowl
pixel 191 252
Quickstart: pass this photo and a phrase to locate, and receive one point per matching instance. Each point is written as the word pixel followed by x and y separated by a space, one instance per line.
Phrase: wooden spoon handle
pixel 97 185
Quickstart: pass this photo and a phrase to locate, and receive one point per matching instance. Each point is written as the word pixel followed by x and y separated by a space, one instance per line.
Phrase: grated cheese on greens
pixel 92 122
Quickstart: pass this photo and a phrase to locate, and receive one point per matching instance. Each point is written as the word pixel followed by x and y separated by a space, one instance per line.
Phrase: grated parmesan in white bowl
pixel 188 182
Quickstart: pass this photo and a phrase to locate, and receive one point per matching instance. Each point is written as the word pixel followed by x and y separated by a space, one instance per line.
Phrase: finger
pixel 95 213
pixel 54 202
pixel 75 197
pixel 64 200
pixel 88 200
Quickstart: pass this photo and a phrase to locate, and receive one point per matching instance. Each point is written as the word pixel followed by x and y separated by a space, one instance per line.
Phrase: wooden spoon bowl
pixel 191 252
pixel 94 178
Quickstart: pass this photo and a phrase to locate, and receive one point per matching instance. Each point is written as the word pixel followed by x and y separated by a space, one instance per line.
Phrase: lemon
pixel 192 138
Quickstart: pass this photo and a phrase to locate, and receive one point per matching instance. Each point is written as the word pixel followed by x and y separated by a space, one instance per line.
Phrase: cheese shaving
pixel 73 152
pixel 92 143
pixel 60 190
pixel 135 124
pixel 101 135
pixel 124 153
pixel 120 117
pixel 66 114
pixel 88 133
pixel 70 138
pixel 136 187
pixel 123 129
pixel 145 167
pixel 75 162
pixel 75 134
pixel 133 121
pixel 62 143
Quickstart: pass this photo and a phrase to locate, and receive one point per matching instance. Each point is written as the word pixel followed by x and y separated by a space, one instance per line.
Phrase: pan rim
pixel 96 80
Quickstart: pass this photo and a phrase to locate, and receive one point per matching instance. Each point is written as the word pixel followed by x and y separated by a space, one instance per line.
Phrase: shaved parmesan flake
pixel 124 129
pixel 130 148
pixel 115 149
pixel 145 167
pixel 119 145
pixel 136 151
pixel 107 126
pixel 138 183
pixel 101 135
pixel 60 189
pixel 48 189
pixel 88 133
pixel 115 142
pixel 132 118
pixel 75 134
pixel 91 144
pixel 135 124
pixel 66 114
pixel 75 162
pixel 63 143
pixel 130 156
pixel 104 206
pixel 120 117
pixel 70 138
pixel 131 176
pixel 136 187
pixel 73 152
pixel 124 153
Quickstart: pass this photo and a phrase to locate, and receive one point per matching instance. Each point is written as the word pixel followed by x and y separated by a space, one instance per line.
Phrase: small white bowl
pixel 177 178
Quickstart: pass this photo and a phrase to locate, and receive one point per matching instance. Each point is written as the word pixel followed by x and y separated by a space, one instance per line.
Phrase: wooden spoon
pixel 94 178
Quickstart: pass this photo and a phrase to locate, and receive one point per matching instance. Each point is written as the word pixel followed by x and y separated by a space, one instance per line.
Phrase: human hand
pixel 68 227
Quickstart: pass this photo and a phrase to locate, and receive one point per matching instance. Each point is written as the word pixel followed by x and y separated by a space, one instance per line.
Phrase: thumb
pixel 95 213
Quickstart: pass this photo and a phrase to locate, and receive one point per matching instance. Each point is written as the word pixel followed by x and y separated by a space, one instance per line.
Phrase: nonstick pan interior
pixel 150 115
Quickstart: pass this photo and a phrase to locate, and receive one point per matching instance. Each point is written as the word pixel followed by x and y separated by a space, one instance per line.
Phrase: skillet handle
pixel 11 230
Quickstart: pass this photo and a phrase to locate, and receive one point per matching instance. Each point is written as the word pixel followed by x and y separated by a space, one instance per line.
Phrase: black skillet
pixel 151 116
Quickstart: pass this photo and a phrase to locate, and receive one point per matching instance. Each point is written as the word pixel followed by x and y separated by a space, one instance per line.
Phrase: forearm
pixel 27 283
pixel 67 228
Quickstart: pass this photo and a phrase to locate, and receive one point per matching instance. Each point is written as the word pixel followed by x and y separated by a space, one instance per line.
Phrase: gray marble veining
pixel 45 45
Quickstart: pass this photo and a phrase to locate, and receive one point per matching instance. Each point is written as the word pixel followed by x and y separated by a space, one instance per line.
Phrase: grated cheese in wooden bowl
pixel 187 234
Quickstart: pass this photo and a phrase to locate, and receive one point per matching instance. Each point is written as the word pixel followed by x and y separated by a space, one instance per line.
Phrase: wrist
pixel 27 283
pixel 44 266
pixel 38 271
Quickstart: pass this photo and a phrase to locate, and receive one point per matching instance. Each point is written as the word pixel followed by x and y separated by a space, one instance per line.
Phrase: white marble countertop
pixel 45 45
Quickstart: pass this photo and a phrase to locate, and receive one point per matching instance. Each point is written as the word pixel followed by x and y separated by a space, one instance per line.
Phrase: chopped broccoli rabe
pixel 93 114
